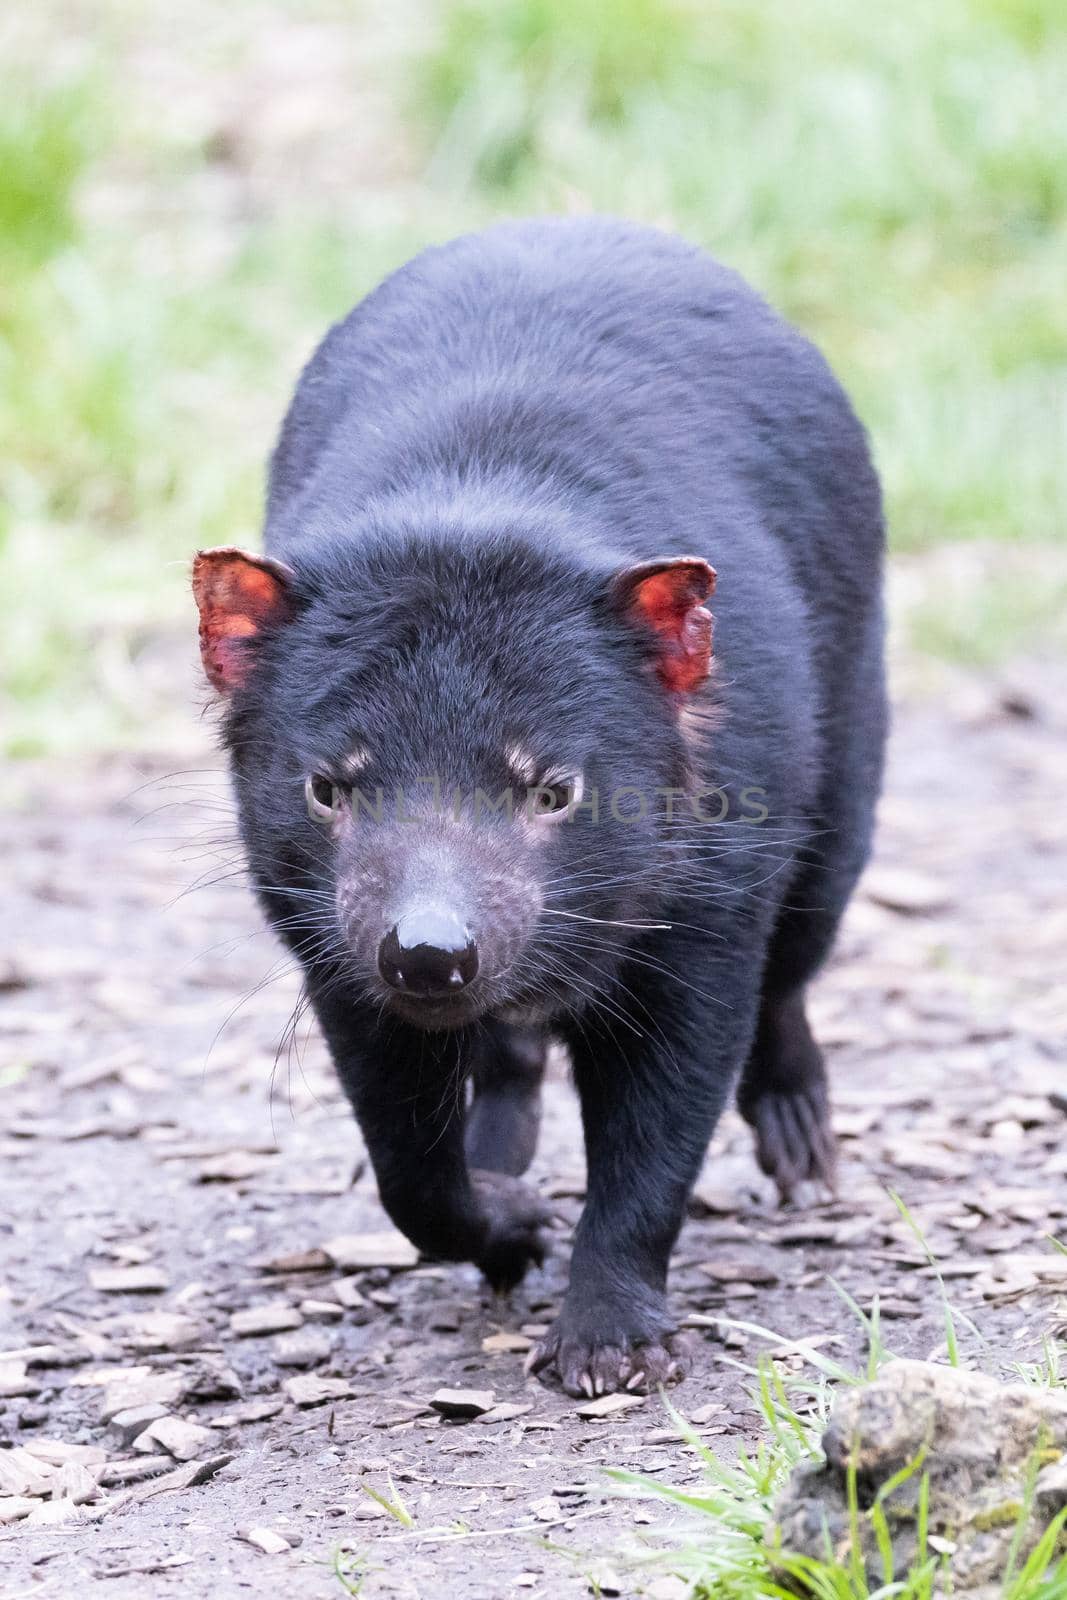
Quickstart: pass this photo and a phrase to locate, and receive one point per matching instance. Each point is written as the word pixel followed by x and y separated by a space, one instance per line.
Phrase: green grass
pixel 895 181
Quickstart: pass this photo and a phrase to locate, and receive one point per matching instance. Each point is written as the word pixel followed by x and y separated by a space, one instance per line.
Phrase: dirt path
pixel 130 1140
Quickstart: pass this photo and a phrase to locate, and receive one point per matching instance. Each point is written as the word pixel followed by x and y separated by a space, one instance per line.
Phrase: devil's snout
pixel 429 953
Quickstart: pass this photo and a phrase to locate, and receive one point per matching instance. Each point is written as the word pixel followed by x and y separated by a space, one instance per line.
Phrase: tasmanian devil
pixel 498 786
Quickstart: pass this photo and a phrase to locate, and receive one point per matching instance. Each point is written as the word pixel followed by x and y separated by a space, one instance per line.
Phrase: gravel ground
pixel 168 1169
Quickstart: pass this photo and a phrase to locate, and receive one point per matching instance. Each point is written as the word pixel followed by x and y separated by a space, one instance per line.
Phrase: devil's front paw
pixel 515 1215
pixel 593 1350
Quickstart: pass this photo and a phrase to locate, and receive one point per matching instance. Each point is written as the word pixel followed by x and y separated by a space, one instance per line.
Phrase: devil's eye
pixel 554 798
pixel 324 797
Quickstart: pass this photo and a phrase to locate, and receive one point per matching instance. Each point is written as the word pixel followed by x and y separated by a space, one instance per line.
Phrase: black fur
pixel 470 458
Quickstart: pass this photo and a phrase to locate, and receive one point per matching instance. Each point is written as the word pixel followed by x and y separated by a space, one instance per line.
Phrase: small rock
pixel 129 1280
pixel 130 1425
pixel 321 1310
pixel 310 1390
pixel 258 1411
pixel 980 1437
pixel 1051 1488
pixel 348 1294
pixel 256 1321
pixel 709 1200
pixel 164 1389
pixel 609 1405
pixel 305 1348
pixel 706 1413
pixel 185 1441
pixel 463 1402
pixel 209 1377
pixel 265 1539
pixel 355 1252
pixel 667 1588
pixel 51 1513
pixel 547 1510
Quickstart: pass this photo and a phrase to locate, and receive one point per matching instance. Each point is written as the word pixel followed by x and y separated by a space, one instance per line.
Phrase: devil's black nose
pixel 429 953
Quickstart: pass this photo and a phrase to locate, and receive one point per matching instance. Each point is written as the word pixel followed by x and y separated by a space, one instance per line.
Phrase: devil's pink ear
pixel 238 595
pixel 668 597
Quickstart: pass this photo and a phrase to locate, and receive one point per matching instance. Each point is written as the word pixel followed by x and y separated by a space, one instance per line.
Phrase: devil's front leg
pixel 650 1100
pixel 408 1092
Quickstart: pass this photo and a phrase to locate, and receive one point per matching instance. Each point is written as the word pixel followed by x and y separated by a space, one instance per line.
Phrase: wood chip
pixel 265 1539
pixel 310 1390
pixel 76 1482
pixel 233 1166
pixel 57 1452
pixel 906 890
pixel 128 1280
pixel 21 1475
pixel 358 1252
pixel 156 1330
pixel 256 1321
pixel 506 1411
pixel 746 1272
pixel 14 1384
pixel 463 1402
pixel 122 1472
pixel 506 1343
pixel 187 1477
pixel 98 1377
pixel 14 1507
pixel 314 1260
pixel 609 1405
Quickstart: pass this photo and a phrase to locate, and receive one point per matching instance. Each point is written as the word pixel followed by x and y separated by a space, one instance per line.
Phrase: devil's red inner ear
pixel 238 596
pixel 668 597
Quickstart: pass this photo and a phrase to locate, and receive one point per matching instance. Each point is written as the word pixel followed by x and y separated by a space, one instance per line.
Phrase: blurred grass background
pixel 187 199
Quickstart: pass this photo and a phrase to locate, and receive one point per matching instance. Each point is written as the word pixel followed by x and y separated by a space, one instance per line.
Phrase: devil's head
pixel 453 760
